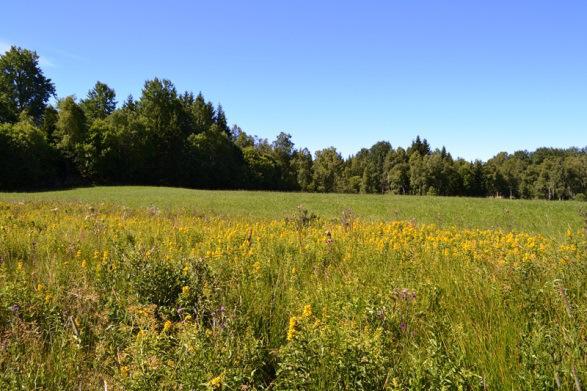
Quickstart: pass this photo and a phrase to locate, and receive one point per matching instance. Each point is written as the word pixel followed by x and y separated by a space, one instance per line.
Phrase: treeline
pixel 181 139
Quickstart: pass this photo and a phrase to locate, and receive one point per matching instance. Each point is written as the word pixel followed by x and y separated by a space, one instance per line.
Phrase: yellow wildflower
pixel 167 326
pixel 291 330
pixel 216 382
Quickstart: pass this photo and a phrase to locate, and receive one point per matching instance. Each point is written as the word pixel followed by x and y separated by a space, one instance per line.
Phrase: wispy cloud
pixel 44 61
pixel 71 56
pixel 4 47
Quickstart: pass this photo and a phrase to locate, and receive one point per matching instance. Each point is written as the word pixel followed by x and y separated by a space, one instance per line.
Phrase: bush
pixel 176 291
pixel 25 157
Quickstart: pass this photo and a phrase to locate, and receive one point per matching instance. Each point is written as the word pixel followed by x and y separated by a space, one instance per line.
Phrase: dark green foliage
pixel 100 103
pixel 158 283
pixel 472 178
pixel 176 293
pixel 221 121
pixel 25 157
pixel 49 122
pixel 419 146
pixel 167 138
pixel 213 160
pixel 23 87
pixel 283 149
pixel 261 169
pixel 116 149
pixel 71 128
pixel 327 168
pixel 301 163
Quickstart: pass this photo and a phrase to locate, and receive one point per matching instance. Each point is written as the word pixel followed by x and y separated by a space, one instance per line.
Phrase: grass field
pixel 142 288
pixel 548 218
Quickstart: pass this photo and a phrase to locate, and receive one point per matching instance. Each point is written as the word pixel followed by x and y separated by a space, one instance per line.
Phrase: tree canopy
pixel 23 86
pixel 166 137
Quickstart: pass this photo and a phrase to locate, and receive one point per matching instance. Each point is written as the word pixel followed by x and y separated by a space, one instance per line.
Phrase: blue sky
pixel 476 76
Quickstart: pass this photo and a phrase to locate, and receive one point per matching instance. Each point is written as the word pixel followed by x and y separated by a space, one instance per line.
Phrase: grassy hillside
pixel 549 218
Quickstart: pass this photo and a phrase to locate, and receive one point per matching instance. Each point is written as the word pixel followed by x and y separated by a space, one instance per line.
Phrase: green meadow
pixel 145 288
pixel 539 216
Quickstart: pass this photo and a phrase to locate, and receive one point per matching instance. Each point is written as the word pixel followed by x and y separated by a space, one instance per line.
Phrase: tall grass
pixel 539 216
pixel 148 298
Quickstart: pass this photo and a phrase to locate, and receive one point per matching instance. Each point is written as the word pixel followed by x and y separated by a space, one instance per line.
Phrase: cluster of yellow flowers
pixel 253 243
pixel 295 320
pixel 216 382
pixel 229 269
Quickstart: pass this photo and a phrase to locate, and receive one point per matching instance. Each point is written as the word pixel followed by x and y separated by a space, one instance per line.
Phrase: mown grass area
pixel 549 218
pixel 153 288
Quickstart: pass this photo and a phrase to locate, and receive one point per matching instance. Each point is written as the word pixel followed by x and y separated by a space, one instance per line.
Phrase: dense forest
pixel 181 139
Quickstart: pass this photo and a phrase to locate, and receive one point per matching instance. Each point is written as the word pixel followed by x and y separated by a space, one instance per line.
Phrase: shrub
pixel 176 291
